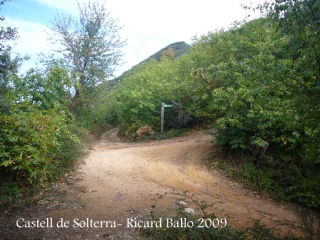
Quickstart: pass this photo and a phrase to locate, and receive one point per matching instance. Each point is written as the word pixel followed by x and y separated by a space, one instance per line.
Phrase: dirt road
pixel 118 181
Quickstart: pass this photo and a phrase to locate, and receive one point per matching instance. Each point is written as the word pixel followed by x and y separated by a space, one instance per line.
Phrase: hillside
pixel 179 49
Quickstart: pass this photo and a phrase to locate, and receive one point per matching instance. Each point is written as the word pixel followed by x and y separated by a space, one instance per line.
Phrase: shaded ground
pixel 118 181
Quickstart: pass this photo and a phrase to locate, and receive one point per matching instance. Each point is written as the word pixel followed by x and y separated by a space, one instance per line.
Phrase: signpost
pixel 163 105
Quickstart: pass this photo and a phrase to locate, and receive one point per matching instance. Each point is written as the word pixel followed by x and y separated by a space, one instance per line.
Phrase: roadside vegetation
pixel 43 127
pixel 256 84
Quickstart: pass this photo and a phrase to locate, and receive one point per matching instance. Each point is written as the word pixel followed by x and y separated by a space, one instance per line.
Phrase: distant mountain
pixel 176 50
pixel 179 48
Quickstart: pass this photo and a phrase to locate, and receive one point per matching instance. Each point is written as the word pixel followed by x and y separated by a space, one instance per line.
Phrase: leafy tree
pixel 46 87
pixel 91 45
pixel 136 100
pixel 238 68
pixel 300 21
pixel 263 97
pixel 177 49
pixel 6 33
pixel 8 65
pixel 38 135
pixel 168 53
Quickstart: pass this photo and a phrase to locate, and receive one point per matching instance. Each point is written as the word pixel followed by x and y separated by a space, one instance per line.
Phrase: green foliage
pixel 38 135
pixel 239 90
pixel 178 49
pixel 255 91
pixel 91 44
pixel 137 98
pixel 45 88
pixel 38 126
pixel 261 179
pixel 9 194
pixel 9 65
pixel 95 113
pixel 72 139
pixel 30 140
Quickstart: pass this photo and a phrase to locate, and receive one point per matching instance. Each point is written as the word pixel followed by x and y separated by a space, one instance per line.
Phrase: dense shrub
pixel 31 140
pixel 137 99
pixel 39 138
pixel 255 95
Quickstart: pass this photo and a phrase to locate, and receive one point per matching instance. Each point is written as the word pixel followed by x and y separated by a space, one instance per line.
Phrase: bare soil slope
pixel 118 180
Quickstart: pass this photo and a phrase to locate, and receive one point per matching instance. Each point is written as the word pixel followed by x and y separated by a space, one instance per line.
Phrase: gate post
pixel 162 117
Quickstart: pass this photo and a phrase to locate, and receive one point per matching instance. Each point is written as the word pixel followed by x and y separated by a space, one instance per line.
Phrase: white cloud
pixel 148 25
pixel 151 25
pixel 33 39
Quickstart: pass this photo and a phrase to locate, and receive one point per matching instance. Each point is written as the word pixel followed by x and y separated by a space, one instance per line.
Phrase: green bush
pixel 137 99
pixel 31 140
pixel 264 106
pixel 9 193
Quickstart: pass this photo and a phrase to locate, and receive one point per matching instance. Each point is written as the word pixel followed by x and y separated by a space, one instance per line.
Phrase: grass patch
pixel 9 193
pixel 15 195
pixel 244 170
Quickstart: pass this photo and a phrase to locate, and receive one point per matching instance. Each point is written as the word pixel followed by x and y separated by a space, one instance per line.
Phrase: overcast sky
pixel 148 25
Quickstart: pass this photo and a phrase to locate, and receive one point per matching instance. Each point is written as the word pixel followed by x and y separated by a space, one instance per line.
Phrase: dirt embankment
pixel 118 181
